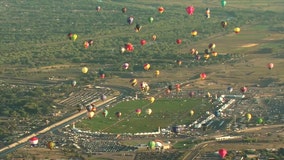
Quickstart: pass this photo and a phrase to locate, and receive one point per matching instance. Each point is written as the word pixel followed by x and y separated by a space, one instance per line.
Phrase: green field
pixel 165 113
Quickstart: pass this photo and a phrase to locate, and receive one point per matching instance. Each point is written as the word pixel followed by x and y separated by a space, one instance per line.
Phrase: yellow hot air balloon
pixel 249 116
pixel 194 33
pixel 90 114
pixel 85 69
pixel 152 99
pixel 157 73
pixel 237 30
pixel 74 37
pixel 146 66
pixel 206 56
pixel 149 111
pixel 191 112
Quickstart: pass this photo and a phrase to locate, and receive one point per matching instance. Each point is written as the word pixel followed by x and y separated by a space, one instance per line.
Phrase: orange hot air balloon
pixel 203 76
pixel 154 37
pixel 86 44
pixel 143 42
pixel 214 53
pixel 146 66
pixel 161 9
pixel 194 33
pixel 270 65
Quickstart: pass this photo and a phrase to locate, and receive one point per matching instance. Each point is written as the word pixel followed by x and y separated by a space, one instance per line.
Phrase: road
pixel 22 142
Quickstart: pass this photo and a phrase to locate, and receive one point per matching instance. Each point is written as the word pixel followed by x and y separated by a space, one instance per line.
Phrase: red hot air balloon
pixel 33 141
pixel 138 111
pixel 161 9
pixel 190 10
pixel 178 41
pixel 222 153
pixel 143 42
pixel 203 76
pixel 243 89
pixel 270 65
pixel 129 47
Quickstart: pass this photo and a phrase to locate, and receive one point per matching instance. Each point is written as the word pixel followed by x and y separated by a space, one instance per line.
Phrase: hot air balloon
pixel 191 112
pixel 207 13
pixel 177 87
pixel 211 46
pixel 151 19
pixel 138 111
pixel 206 56
pixel 151 145
pixel 237 30
pixel 124 10
pixel 125 65
pixel 118 114
pixel 50 145
pixel 161 9
pixel 133 82
pixel 74 37
pixel 152 99
pixel 243 89
pixel 129 47
pixel 190 10
pixel 249 116
pixel 223 3
pixel 214 54
pixel 224 24
pixel 203 76
pixel 86 44
pixel 143 42
pixel 85 69
pixel 154 37
pixel 137 27
pixel 105 113
pixel 179 62
pixel 98 8
pixel 259 120
pixel 146 66
pixel 122 49
pixel 103 97
pixel 33 141
pixel 73 83
pixel 89 108
pixel 69 35
pixel 157 73
pixel 194 33
pixel 197 57
pixel 130 20
pixel 191 94
pixel 222 153
pixel 91 42
pixel 102 75
pixel 178 41
pixel 144 86
pixel 230 89
pixel 270 65
pixel 193 51
pixel 91 114
pixel 148 111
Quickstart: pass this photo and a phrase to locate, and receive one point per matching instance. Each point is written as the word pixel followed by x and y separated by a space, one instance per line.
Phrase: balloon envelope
pixel 203 76
pixel 194 33
pixel 146 66
pixel 191 112
pixel 138 111
pixel 223 3
pixel 148 111
pixel 222 153
pixel 270 65
pixel 50 145
pixel 33 140
pixel 85 69
pixel 161 9
pixel 190 10
pixel 237 30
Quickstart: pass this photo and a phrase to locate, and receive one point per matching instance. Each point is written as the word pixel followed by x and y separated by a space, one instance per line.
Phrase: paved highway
pixel 22 142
